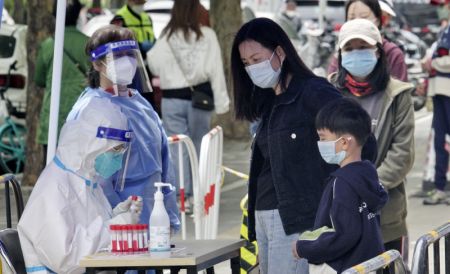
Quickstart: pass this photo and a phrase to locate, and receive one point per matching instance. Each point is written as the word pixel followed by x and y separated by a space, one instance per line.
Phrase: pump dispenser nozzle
pixel 158 193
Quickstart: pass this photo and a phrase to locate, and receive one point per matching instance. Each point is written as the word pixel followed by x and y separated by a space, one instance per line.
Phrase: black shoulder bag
pixel 202 94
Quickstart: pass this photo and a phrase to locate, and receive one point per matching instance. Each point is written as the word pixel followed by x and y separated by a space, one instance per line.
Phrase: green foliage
pixel 9 5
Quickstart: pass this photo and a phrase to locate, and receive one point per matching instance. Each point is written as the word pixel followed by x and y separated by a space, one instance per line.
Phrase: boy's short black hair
pixel 343 116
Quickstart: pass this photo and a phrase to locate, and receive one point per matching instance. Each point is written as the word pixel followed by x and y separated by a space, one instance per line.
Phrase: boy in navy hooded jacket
pixel 347 230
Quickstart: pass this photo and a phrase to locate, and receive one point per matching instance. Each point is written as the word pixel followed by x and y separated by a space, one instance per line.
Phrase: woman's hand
pixel 294 250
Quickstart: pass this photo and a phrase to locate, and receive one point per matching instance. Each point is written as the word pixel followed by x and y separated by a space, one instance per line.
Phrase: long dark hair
pixel 73 9
pixel 378 78
pixel 372 4
pixel 249 99
pixel 104 35
pixel 185 16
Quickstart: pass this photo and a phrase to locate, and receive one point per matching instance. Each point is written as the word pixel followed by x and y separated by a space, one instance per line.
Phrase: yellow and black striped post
pixel 250 250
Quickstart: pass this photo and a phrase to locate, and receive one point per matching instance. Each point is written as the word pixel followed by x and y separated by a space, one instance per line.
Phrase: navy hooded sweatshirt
pixel 347 227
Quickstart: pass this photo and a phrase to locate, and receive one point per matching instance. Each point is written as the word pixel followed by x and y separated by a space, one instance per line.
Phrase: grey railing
pixel 420 263
pixel 390 261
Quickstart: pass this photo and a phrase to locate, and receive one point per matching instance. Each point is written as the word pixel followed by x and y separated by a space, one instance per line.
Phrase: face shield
pixel 114 161
pixel 124 66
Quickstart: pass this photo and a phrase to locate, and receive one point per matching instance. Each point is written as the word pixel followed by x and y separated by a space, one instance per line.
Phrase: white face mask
pixel 263 75
pixel 138 9
pixel 121 70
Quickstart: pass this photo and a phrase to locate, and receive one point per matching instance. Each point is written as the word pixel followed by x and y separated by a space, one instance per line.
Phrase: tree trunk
pixel 19 13
pixel 40 21
pixel 226 20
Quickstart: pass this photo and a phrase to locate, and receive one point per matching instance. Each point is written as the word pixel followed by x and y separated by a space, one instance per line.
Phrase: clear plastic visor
pixel 123 66
pixel 114 162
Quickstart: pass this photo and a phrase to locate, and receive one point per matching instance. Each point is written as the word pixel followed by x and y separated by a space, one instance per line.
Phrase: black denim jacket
pixel 298 170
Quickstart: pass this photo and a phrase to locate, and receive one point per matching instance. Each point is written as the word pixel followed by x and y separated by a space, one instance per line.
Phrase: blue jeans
pixel 274 246
pixel 179 117
pixel 441 125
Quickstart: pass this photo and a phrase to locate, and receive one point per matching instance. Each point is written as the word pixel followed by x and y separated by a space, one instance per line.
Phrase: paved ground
pixel 421 219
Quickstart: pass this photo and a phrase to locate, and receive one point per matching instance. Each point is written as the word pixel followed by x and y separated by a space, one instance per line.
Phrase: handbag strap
pixel 179 66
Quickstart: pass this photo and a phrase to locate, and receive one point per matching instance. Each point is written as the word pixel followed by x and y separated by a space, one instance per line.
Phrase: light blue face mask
pixel 359 62
pixel 263 75
pixel 108 163
pixel 327 150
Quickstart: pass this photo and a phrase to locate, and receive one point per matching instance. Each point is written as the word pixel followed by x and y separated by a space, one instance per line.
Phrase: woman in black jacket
pixel 287 173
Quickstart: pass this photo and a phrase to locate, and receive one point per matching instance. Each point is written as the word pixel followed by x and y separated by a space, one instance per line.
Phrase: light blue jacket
pixel 149 160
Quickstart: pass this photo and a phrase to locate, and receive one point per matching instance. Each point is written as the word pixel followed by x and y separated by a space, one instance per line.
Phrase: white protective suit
pixel 67 216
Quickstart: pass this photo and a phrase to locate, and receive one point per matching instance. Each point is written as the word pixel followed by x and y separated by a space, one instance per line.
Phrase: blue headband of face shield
pixel 102 50
pixel 114 134
pixel 111 161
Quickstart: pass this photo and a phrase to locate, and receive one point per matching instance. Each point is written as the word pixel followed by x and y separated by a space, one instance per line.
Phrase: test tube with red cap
pixel 135 232
pixel 130 238
pixel 114 242
pixel 124 233
pixel 146 237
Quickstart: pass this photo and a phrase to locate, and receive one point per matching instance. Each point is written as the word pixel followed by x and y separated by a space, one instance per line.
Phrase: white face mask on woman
pixel 263 75
pixel 121 70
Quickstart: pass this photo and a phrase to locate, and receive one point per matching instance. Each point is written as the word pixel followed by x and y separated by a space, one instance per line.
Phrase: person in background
pixel 289 15
pixel 74 70
pixel 287 174
pixel 442 11
pixel 363 75
pixel 347 227
pixel 187 56
pixel 370 10
pixel 439 88
pixel 67 215
pixel 387 12
pixel 133 17
pixel 116 61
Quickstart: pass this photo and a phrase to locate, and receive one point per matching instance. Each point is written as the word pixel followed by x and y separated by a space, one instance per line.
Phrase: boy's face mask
pixel 328 152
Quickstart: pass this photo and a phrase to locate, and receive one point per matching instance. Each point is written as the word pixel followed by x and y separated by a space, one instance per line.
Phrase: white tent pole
pixel 56 78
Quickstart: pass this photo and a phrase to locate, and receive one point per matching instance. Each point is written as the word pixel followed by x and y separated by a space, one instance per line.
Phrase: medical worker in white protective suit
pixel 67 215
pixel 117 69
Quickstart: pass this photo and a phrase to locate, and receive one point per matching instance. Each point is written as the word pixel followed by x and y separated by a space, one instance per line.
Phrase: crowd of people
pixel 329 157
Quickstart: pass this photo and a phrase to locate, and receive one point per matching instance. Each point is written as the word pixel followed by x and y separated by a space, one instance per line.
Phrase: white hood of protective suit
pixel 66 217
pixel 77 145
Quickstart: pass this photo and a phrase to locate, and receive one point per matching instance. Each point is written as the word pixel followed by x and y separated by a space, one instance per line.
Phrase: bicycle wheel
pixel 12 148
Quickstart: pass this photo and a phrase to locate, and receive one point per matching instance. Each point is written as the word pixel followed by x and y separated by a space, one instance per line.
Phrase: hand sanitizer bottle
pixel 159 223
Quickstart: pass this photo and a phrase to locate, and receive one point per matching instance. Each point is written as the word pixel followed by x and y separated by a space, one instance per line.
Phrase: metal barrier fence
pixel 206 177
pixel 184 142
pixel 420 263
pixel 210 175
pixel 390 260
